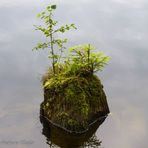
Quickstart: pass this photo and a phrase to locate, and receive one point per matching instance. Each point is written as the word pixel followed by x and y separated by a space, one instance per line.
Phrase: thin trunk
pixel 52 52
pixel 51 44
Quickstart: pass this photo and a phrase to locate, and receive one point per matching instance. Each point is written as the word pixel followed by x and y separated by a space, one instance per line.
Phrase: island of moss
pixel 74 96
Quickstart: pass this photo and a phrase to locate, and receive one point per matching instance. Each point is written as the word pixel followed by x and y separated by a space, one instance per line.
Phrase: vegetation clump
pixel 73 94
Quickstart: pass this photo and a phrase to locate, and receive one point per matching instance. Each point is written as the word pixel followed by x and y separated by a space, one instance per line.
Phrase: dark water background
pixel 117 27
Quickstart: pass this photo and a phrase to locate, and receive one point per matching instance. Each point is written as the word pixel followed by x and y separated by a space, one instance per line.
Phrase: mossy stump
pixel 73 102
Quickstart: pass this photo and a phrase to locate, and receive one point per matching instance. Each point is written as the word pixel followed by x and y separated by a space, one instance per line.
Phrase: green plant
pixel 73 94
pixel 50 29
pixel 83 59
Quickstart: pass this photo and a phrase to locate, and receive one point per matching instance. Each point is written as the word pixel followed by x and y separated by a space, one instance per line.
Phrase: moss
pixel 72 100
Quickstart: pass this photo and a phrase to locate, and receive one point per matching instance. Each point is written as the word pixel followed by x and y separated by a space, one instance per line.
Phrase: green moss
pixel 71 100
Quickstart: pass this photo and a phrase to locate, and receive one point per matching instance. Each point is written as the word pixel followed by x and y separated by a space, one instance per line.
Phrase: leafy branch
pixel 50 30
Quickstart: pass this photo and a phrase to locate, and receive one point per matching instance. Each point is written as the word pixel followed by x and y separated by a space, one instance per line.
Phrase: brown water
pixel 117 27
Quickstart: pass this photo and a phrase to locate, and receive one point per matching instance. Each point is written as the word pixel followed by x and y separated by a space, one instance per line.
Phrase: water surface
pixel 117 27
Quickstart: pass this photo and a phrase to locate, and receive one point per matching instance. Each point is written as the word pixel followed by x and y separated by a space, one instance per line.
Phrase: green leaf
pixel 73 26
pixel 53 6
pixel 48 8
pixel 39 15
pixel 62 29
pixel 43 13
pixel 67 27
pixel 41 46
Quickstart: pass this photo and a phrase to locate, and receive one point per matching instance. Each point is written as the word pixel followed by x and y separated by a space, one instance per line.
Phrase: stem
pixel 52 52
pixel 51 43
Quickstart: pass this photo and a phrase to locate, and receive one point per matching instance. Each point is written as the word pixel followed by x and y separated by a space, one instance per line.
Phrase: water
pixel 117 27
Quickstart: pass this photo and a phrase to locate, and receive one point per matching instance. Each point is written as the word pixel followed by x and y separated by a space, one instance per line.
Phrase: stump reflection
pixel 57 137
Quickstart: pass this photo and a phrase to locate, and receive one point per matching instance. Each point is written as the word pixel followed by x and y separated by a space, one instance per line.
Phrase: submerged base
pixel 70 139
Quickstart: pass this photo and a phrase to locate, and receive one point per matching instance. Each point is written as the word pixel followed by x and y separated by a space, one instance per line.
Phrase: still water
pixel 117 27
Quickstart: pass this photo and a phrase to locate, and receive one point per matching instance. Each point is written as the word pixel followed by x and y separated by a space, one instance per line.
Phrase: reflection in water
pixel 92 142
pixel 57 137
